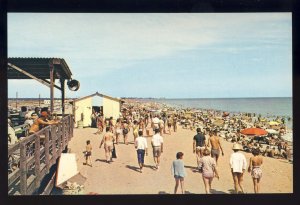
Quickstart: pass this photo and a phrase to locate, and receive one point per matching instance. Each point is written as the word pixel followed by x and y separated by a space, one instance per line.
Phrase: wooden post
pixel 51 87
pixel 62 85
pixel 47 157
pixel 54 137
pixel 37 158
pixel 63 134
pixel 59 141
pixel 23 168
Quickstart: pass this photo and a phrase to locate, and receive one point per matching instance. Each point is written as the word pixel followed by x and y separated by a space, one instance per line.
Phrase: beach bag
pixel 114 154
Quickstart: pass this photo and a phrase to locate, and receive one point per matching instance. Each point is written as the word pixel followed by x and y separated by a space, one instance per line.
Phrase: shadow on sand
pixel 213 191
pixel 137 169
pixel 100 160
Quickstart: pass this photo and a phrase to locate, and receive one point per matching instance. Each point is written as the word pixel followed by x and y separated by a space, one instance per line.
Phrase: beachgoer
pixel 169 122
pixel 207 165
pixel 88 153
pixel 155 123
pixel 135 128
pixel 118 130
pixel 108 140
pixel 215 146
pixel 161 126
pixel 178 172
pixel 141 149
pixel 198 145
pixel 100 123
pixel 238 165
pixel 93 119
pixel 126 129
pixel 157 145
pixel 42 121
pixel 175 123
pixel 255 169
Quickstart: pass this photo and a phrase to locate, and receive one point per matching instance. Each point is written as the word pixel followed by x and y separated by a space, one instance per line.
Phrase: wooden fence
pixel 37 153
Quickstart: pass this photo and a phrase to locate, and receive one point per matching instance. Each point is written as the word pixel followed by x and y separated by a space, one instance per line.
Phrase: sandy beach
pixel 122 175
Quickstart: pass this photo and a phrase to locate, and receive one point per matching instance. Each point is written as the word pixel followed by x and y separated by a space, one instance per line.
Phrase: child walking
pixel 178 172
pixel 88 153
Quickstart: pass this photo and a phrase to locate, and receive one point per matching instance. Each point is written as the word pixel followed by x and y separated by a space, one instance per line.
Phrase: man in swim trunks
pixel 107 140
pixel 215 145
pixel 255 169
pixel 198 145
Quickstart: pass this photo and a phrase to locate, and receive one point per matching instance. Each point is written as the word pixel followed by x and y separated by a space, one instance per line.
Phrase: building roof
pixel 98 94
pixel 39 67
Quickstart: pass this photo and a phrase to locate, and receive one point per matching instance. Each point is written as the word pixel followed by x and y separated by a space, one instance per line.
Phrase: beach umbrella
pixel 254 131
pixel 274 123
pixel 218 122
pixel 271 131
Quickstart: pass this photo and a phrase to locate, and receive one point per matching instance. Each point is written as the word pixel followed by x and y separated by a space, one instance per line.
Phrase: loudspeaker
pixel 73 85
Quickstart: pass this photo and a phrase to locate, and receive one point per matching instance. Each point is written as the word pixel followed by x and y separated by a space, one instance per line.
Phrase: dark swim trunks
pixel 215 152
pixel 125 131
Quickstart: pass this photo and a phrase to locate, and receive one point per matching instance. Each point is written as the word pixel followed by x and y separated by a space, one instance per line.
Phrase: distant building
pixel 106 105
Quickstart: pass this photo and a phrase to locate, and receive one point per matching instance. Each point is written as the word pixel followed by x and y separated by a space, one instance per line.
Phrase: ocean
pixel 267 107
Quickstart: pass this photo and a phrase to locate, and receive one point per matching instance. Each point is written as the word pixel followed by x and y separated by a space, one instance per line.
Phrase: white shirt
pixel 157 140
pixel 141 143
pixel 238 162
pixel 155 120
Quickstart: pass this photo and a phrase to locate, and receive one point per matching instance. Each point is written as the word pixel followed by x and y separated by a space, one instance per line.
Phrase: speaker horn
pixel 73 85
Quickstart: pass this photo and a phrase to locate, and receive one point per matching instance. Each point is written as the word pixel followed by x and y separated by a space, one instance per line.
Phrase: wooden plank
pixel 23 169
pixel 30 161
pixel 31 184
pixel 37 156
pixel 43 170
pixel 12 177
pixel 47 157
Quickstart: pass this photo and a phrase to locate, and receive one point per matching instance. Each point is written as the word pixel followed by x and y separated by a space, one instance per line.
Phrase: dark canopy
pixel 39 67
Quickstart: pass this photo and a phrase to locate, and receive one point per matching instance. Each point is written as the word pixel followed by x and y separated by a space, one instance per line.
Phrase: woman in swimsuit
pixel 208 166
pixel 125 131
pixel 135 129
pixel 118 130
pixel 255 169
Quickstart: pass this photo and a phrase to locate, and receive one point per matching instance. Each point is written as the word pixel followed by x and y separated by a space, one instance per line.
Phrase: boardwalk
pixel 122 176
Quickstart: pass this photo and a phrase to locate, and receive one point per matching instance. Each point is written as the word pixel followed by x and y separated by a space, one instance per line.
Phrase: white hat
pixel 236 147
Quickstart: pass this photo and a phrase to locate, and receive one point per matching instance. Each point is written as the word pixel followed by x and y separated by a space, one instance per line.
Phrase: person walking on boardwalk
pixel 178 172
pixel 157 145
pixel 107 140
pixel 215 143
pixel 141 149
pixel 238 165
pixel 255 169
pixel 207 165
pixel 198 145
pixel 88 153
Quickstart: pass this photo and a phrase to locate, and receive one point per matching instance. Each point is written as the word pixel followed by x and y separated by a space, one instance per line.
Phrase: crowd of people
pixel 207 145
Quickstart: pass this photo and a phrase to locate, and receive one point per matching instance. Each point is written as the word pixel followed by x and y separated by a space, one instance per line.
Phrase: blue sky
pixel 185 55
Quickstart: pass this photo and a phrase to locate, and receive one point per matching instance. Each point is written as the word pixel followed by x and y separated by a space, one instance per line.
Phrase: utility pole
pixel 16 100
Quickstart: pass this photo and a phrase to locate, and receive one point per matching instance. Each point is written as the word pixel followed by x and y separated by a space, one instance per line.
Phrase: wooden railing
pixel 37 153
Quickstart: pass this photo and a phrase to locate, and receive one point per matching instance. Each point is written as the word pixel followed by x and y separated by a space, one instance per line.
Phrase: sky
pixel 180 55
